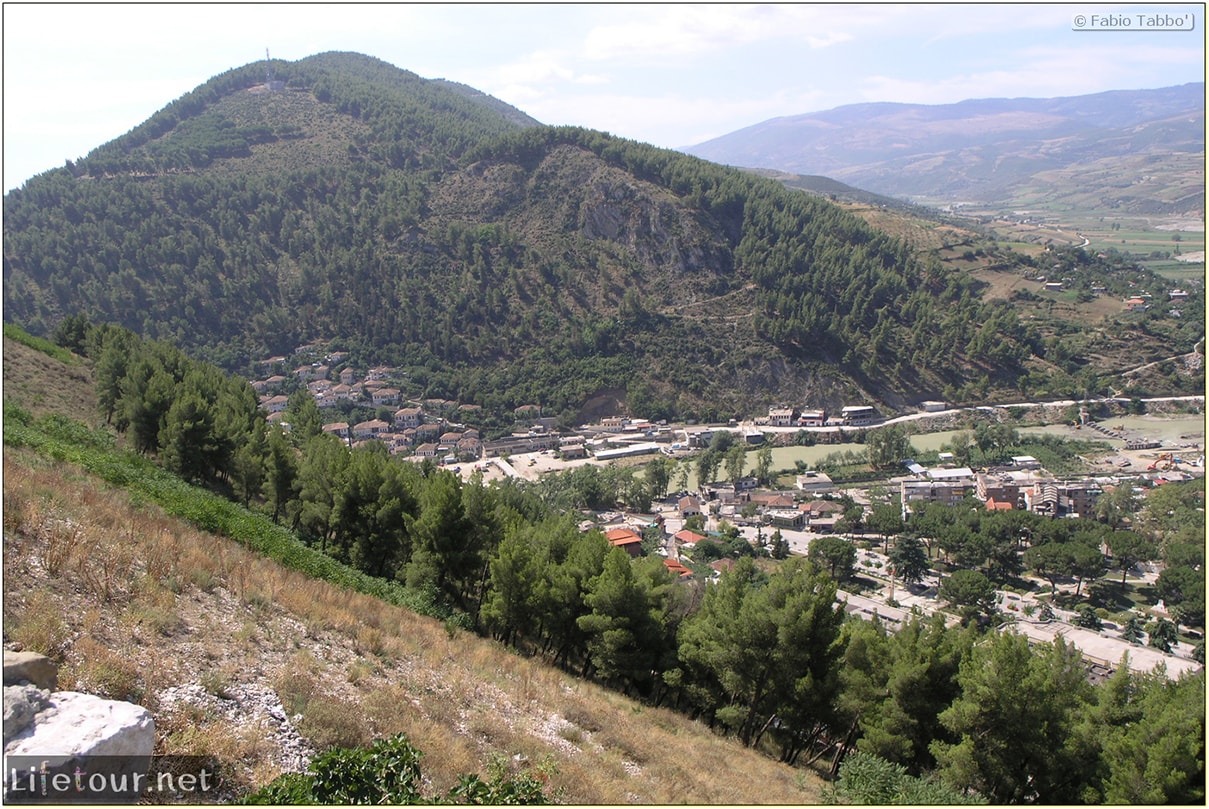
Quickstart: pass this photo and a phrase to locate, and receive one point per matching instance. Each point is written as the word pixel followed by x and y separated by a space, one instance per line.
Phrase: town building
pixel 274 404
pixel 813 482
pixel 812 418
pixel 949 493
pixel 339 429
pixel 626 539
pixel 370 429
pixel 780 416
pixel 999 489
pixel 858 415
pixel 689 506
pixel 1063 499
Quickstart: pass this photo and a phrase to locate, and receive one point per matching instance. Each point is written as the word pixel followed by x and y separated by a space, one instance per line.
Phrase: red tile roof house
pixel 625 538
pixel 687 537
pixel 385 396
pixel 773 499
pixel 676 568
pixel 367 429
pixel 721 566
pixel 689 506
pixel 337 428
pixel 815 507
pixel 409 417
pixel 469 448
pixel 274 404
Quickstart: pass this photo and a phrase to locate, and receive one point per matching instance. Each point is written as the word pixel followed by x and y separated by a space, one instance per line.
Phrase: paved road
pixel 1098 647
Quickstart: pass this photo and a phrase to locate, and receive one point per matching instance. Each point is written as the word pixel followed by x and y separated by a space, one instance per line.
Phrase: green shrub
pixel 870 780
pixel 290 789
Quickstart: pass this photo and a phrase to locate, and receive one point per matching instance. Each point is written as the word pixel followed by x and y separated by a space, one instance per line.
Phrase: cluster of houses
pixel 1143 301
pixel 439 439
pixel 851 416
pixel 1139 302
pixel 326 390
pixel 423 429
pixel 1022 485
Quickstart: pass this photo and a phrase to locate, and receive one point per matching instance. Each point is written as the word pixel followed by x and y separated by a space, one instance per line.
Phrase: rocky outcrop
pixel 32 668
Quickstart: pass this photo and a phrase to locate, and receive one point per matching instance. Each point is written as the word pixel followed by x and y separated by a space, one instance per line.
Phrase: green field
pixel 1180 271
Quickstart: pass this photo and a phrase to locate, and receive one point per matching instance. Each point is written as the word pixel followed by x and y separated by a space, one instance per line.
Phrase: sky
pixel 76 76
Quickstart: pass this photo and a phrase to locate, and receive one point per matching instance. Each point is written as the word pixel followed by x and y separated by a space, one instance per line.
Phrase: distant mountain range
pixel 997 150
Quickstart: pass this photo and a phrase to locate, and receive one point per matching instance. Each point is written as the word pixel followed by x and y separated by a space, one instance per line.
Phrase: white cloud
pixel 829 39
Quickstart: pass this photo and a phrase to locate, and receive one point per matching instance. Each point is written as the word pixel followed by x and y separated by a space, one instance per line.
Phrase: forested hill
pixel 422 224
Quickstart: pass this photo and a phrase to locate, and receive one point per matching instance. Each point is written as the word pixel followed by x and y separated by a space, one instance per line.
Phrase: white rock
pixel 78 724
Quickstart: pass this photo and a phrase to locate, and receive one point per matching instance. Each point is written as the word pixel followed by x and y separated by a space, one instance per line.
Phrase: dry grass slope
pixel 42 384
pixel 133 603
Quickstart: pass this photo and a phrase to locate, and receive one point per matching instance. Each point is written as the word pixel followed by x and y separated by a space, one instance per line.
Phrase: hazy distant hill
pixel 989 150
pixel 835 190
pixel 423 224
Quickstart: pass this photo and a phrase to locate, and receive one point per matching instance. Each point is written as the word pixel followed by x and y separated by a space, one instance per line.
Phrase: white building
pixel 814 482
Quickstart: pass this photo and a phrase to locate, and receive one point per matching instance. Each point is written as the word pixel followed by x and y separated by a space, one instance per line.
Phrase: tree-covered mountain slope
pixel 422 224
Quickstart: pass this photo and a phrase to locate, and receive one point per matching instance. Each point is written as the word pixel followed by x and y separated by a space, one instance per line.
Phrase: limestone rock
pixel 30 667
pixel 76 724
pixel 21 704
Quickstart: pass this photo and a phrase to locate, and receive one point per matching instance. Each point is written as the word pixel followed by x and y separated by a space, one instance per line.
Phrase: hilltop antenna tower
pixel 271 84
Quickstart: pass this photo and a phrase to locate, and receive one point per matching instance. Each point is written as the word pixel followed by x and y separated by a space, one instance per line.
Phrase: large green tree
pixel 658 473
pixel 1015 723
pixel 908 559
pixel 442 560
pixel 1128 548
pixel 519 583
pixel 770 647
pixel 1154 753
pixel 625 627
pixel 885 519
pixel 969 592
pixel 836 555
pixel 887 446
pixel 896 686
